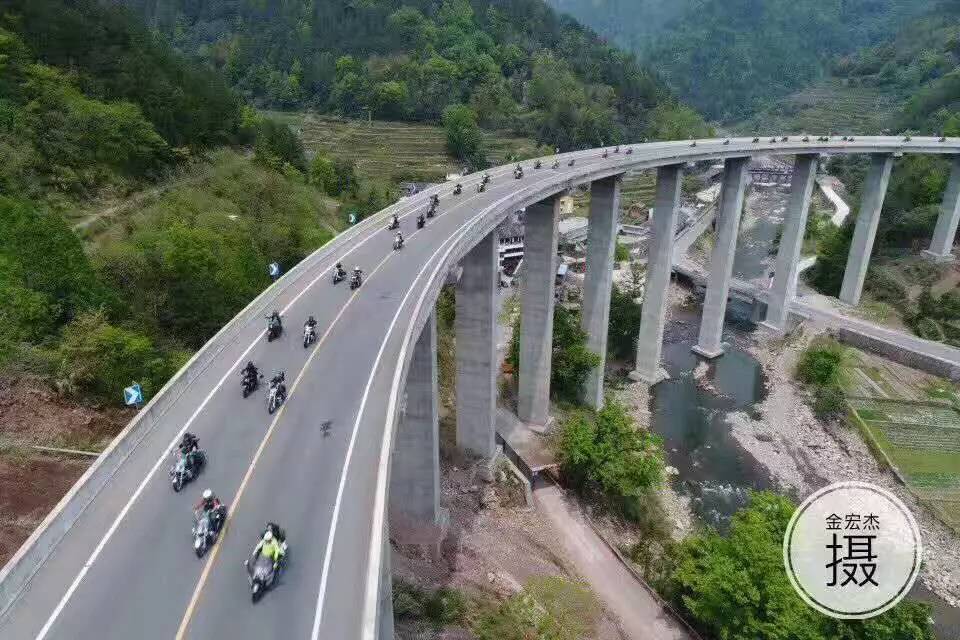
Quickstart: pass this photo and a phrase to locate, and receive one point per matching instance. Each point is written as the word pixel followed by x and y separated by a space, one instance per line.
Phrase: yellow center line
pixel 188 615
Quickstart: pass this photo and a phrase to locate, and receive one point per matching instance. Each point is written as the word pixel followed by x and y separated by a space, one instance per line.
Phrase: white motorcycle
pixel 275 398
pixel 309 335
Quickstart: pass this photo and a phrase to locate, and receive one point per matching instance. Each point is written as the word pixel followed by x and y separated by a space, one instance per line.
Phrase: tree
pixel 607 451
pixel 624 327
pixel 572 360
pixel 389 99
pixel 735 587
pixel 323 175
pixel 464 139
pixel 276 144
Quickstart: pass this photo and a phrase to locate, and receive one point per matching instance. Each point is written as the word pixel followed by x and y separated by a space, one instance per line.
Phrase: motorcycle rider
pixel 188 445
pixel 421 220
pixel 340 272
pixel 269 547
pixel 394 222
pixel 250 371
pixel 210 504
pixel 458 189
pixel 275 321
pixel 398 241
pixel 311 322
pixel 277 381
pixel 357 273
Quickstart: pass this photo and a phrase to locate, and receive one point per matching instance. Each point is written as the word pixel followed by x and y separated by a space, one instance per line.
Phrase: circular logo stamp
pixel 852 550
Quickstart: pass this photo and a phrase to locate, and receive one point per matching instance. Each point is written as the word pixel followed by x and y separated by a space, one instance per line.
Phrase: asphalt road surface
pixel 126 568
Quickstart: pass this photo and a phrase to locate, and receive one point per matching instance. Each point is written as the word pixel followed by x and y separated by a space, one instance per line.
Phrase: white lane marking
pixel 318 616
pixel 136 494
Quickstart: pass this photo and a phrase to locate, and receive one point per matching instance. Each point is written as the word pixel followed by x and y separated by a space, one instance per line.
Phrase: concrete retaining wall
pixel 924 362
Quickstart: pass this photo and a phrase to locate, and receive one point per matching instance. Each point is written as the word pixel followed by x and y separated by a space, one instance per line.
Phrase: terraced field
pixel 394 151
pixel 826 107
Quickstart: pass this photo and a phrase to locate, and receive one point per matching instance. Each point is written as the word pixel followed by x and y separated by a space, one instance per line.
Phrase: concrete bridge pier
pixel 536 310
pixel 858 260
pixel 791 242
pixel 659 268
pixel 415 464
pixel 598 280
pixel 721 261
pixel 475 327
pixel 946 230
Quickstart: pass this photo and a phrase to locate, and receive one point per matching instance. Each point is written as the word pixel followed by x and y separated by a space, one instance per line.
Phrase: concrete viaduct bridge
pixel 113 560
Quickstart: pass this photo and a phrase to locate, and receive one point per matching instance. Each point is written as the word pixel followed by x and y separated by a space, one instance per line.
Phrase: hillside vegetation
pixel 516 64
pixel 94 108
pixel 730 58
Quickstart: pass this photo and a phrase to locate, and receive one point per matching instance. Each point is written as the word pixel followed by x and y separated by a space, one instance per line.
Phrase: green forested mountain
pixel 729 57
pixel 517 63
pixel 94 107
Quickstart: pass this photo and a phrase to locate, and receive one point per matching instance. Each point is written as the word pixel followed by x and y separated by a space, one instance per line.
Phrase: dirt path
pixel 641 616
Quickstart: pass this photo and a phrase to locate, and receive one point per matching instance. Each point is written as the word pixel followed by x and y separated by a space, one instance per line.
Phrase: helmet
pixel 356 268
pixel 339 265
pixel 310 318
pixel 267 535
pixel 207 494
pixel 249 364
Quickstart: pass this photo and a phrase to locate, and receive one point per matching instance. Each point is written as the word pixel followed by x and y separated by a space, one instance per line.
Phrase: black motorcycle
pixel 276 397
pixel 537 165
pixel 481 187
pixel 309 335
pixel 556 164
pixel 206 528
pixel 186 468
pixel 394 224
pixel 249 384
pixel 338 275
pixel 274 329
pixel 431 211
pixel 457 190
pixel 518 173
pixel 355 281
pixel 421 221
pixel 572 161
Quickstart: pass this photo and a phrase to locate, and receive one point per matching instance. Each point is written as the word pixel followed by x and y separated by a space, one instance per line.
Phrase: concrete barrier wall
pixel 38 547
pixel 924 362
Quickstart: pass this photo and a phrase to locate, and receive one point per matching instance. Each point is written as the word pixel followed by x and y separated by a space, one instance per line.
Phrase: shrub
pixel 606 452
pixel 549 608
pixel 624 325
pixel 99 359
pixel 822 364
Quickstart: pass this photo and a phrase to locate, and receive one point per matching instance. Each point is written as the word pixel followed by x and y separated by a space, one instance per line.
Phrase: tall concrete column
pixel 946 229
pixel 476 324
pixel 415 463
pixel 385 614
pixel 659 268
pixel 536 310
pixel 721 261
pixel 598 281
pixel 858 260
pixel 791 242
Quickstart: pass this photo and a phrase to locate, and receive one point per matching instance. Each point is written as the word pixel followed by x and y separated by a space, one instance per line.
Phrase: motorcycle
pixel 556 164
pixel 275 398
pixel 431 211
pixel 481 187
pixel 457 190
pixel 182 473
pixel 572 160
pixel 421 221
pixel 309 335
pixel 537 165
pixel 338 275
pixel 397 244
pixel 262 575
pixel 434 201
pixel 206 529
pixel 617 150
pixel 355 281
pixel 274 329
pixel 249 384
pixel 518 173
pixel 486 178
pixel 393 224
pixel 629 152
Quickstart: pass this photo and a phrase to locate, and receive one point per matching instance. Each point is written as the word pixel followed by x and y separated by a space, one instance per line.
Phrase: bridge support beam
pixel 721 261
pixel 946 230
pixel 477 350
pixel 415 464
pixel 659 267
pixel 791 242
pixel 598 280
pixel 536 309
pixel 858 260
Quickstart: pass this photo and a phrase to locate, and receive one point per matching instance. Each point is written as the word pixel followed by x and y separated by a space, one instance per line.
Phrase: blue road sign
pixel 274 270
pixel 133 395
